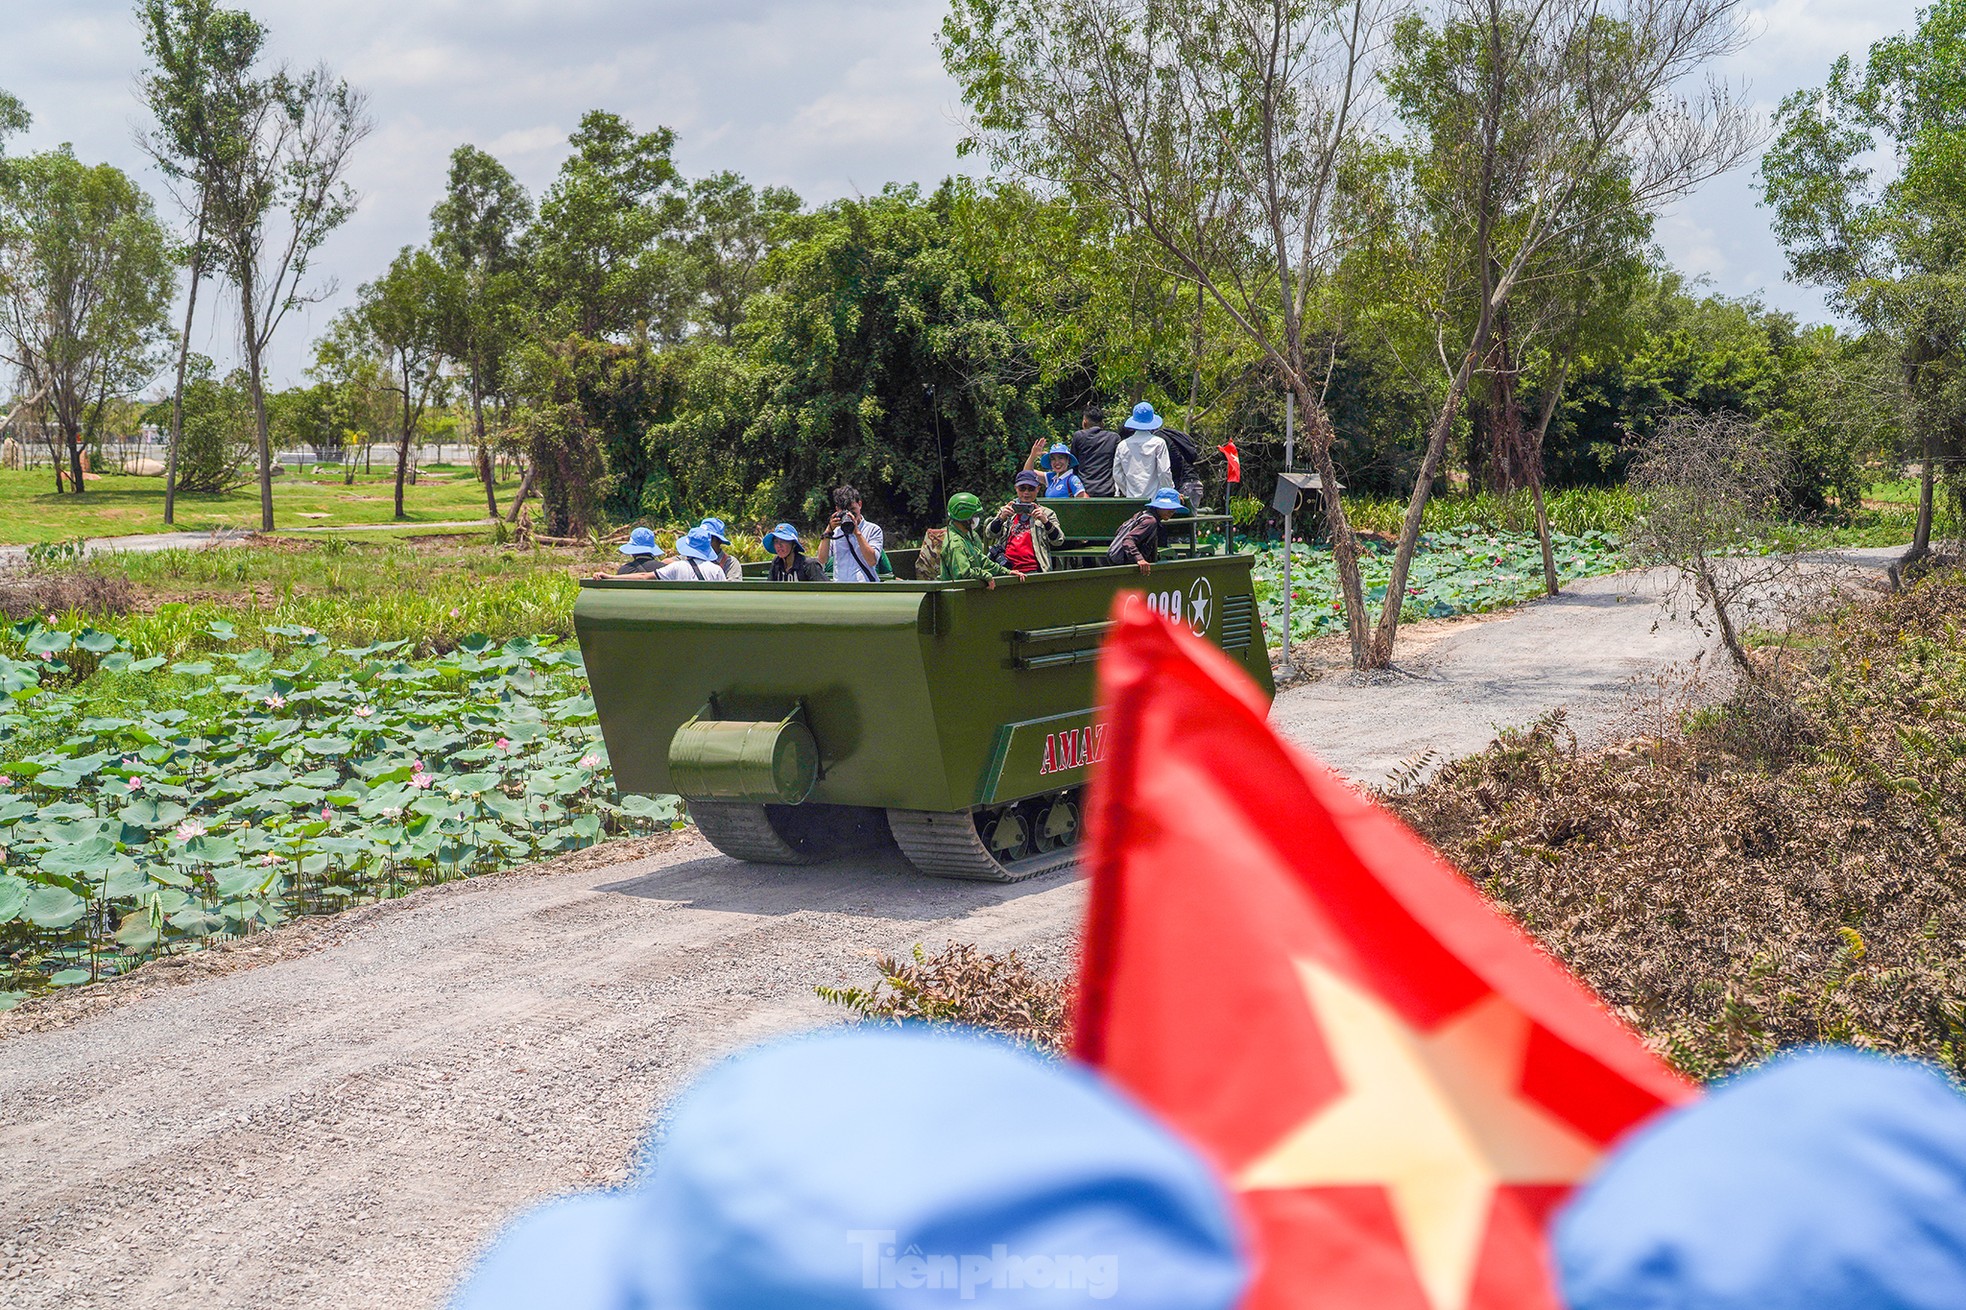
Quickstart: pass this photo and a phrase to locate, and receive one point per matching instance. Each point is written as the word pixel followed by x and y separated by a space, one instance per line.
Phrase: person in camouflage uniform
pixel 963 553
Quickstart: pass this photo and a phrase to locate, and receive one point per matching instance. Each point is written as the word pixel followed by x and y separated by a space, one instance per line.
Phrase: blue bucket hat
pixel 1144 419
pixel 641 542
pixel 899 1169
pixel 1165 498
pixel 1822 1181
pixel 696 545
pixel 784 532
pixel 1062 449
pixel 715 527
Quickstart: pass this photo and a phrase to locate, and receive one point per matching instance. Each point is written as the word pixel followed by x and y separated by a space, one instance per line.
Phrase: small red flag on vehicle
pixel 1234 459
pixel 1397 1083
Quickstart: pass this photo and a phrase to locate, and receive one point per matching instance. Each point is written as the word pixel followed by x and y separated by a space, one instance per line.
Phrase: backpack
pixel 928 563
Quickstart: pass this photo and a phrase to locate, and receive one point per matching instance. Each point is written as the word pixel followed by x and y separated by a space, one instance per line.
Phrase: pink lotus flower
pixel 134 784
pixel 129 761
pixel 590 761
pixel 504 744
pixel 268 859
pixel 5 781
pixel 276 701
pixel 190 828
pixel 416 766
pixel 48 655
pixel 421 781
pixel 392 811
pixel 365 711
pixel 327 813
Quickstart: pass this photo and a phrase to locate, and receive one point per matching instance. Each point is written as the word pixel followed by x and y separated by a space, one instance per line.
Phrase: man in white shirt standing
pixel 1141 465
pixel 850 541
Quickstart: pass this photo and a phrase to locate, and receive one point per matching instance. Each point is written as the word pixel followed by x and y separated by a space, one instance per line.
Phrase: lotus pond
pixel 1464 571
pixel 150 804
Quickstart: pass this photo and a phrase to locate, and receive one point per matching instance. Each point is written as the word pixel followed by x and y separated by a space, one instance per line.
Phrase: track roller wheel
pixel 788 834
pixel 999 843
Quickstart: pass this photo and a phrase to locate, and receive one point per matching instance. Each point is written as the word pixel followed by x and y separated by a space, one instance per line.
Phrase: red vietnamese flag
pixel 1398 1084
pixel 1234 459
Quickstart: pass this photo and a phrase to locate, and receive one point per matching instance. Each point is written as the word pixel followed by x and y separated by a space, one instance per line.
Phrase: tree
pixel 476 231
pixel 403 313
pixel 599 266
pixel 1890 247
pixel 271 203
pixel 1547 132
pixel 14 119
pixel 85 282
pixel 1220 132
pixel 1712 482
pixel 202 93
pixel 879 358
pixel 730 231
pixel 213 428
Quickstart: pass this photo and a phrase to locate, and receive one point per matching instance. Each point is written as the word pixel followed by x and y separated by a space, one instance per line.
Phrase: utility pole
pixel 1289 463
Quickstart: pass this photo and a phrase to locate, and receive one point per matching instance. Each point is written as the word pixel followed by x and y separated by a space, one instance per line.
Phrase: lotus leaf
pixel 13 895
pixel 53 906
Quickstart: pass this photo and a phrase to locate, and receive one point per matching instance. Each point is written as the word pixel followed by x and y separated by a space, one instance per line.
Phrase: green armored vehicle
pixel 801 721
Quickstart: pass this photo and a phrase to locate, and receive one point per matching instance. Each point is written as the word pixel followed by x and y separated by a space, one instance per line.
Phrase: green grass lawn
pixel 115 506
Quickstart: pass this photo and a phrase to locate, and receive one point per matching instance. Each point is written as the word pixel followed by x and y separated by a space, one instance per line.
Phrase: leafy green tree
pixel 271 202
pixel 476 231
pixel 731 225
pixel 403 315
pixel 213 419
pixel 600 265
pixel 14 119
pixel 879 358
pixel 86 277
pixel 1889 245
pixel 1103 317
pixel 200 89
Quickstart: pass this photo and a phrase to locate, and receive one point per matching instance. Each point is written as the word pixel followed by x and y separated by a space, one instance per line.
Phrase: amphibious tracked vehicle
pixel 802 721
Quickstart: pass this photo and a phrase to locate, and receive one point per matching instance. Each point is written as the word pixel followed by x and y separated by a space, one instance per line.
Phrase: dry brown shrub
pixel 1786 866
pixel 963 985
pixel 26 595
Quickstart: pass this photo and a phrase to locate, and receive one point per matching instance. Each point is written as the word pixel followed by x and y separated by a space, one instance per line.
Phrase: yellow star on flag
pixel 1435 1118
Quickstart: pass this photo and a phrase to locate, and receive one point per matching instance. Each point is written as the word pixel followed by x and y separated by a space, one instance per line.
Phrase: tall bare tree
pixel 201 89
pixel 475 231
pixel 270 206
pixel 1540 123
pixel 1220 132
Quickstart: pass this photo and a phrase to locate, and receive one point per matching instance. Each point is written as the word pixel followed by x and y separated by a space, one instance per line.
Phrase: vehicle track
pixel 346 1125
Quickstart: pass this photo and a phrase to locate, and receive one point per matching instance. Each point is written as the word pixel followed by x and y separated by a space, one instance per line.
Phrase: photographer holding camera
pixel 850 541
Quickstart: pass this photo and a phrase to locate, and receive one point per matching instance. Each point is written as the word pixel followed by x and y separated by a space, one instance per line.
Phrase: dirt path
pixel 346 1124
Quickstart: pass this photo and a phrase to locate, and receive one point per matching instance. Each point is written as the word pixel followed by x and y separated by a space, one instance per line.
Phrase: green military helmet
pixel 963 507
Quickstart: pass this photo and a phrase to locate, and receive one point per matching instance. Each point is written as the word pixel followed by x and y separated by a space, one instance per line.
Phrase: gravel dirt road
pixel 345 1123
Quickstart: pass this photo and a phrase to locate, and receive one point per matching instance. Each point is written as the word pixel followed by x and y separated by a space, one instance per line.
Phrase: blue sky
pixel 827 97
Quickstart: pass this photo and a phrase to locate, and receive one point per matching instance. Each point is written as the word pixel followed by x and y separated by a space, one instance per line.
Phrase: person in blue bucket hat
pixel 1141 464
pixel 696 560
pixel 1825 1180
pixel 1061 479
pixel 720 541
pixel 643 554
pixel 868 1168
pixel 789 562
pixel 1138 540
